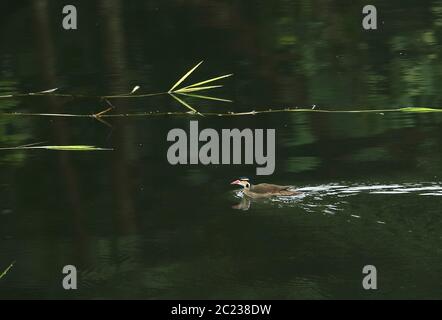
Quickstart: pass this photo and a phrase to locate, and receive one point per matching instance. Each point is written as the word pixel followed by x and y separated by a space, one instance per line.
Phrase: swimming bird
pixel 264 190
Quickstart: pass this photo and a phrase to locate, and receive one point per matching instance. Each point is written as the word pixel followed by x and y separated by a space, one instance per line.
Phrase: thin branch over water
pixel 173 90
pixel 225 114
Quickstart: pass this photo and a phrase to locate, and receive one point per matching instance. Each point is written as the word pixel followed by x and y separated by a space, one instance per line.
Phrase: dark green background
pixel 137 227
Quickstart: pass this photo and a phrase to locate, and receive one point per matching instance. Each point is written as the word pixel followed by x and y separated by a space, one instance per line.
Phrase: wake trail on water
pixel 331 199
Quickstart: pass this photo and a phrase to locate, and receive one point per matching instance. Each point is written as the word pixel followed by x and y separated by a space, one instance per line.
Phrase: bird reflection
pixel 244 204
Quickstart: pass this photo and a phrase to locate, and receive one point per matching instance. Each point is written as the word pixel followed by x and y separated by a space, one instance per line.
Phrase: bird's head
pixel 244 182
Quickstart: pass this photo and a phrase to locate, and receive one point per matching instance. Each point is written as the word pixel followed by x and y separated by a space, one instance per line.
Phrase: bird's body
pixel 264 190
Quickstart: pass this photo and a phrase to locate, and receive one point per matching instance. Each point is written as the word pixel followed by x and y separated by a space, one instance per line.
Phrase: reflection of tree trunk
pixel 114 51
pixel 46 61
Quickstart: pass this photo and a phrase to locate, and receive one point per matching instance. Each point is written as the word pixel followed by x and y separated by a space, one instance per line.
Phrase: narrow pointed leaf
pixel 185 76
pixel 7 269
pixel 204 97
pixel 419 109
pixel 71 148
pixel 208 81
pixel 184 103
pixel 61 148
pixel 197 89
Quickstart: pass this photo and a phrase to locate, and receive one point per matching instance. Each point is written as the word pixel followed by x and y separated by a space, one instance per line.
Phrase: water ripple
pixel 330 199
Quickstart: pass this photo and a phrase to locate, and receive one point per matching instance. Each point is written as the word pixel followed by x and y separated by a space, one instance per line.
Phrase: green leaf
pixel 184 77
pixel 204 97
pixel 60 148
pixel 71 148
pixel 184 103
pixel 7 269
pixel 197 89
pixel 416 109
pixel 207 81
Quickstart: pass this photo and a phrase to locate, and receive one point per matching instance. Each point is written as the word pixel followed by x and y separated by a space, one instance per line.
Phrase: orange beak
pixel 236 182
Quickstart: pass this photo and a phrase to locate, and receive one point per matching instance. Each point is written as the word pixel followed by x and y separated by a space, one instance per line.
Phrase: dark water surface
pixel 137 227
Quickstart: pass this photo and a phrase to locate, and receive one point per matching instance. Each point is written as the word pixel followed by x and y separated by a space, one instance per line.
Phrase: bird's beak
pixel 236 182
